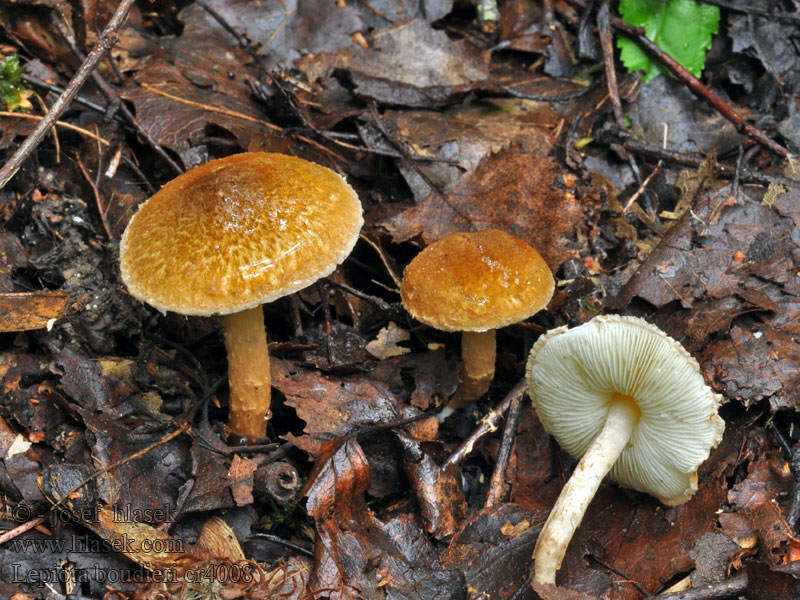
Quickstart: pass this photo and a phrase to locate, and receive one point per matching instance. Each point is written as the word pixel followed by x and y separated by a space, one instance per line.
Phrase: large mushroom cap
pixel 574 376
pixel 238 232
pixel 476 281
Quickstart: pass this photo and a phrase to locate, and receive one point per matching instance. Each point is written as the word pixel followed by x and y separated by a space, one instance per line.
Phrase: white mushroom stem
pixel 571 505
pixel 248 372
pixel 478 350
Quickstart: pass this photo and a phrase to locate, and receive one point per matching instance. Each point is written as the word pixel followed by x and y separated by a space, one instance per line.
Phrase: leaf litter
pixel 405 98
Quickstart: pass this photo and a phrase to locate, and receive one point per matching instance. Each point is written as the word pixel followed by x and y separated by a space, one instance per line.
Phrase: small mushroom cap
pixel 476 281
pixel 574 375
pixel 238 232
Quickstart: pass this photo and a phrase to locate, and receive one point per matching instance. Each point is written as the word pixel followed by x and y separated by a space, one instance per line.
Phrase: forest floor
pixel 119 478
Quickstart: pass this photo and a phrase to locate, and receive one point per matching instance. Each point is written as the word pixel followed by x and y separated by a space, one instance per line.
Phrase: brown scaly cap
pixel 476 281
pixel 238 232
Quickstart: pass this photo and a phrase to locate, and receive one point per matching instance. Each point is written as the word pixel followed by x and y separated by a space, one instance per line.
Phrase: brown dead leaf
pixel 205 488
pixel 283 30
pixel 183 116
pixel 772 583
pixel 385 344
pixel 437 489
pixel 24 311
pixel 511 190
pixel 756 498
pixel 240 476
pixel 409 64
pixel 334 407
pixel 522 27
pixel 465 134
pixel 493 549
pixel 755 364
pixel 358 556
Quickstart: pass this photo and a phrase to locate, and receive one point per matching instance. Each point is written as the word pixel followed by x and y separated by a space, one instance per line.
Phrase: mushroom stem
pixel 478 349
pixel 568 511
pixel 248 372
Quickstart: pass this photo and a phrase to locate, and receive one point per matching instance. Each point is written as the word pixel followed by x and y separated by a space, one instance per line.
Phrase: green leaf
pixel 681 28
pixel 10 69
pixel 13 95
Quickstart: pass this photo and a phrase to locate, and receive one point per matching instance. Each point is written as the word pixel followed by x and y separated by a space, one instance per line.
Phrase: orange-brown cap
pixel 237 232
pixel 476 281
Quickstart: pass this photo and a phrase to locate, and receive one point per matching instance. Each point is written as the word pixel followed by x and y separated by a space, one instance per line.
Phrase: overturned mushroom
pixel 230 235
pixel 629 400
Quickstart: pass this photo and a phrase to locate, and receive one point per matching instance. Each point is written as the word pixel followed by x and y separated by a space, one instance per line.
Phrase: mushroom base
pixel 248 373
pixel 478 351
pixel 574 499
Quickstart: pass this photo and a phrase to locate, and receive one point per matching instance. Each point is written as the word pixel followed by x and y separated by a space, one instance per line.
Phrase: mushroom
pixel 629 400
pixel 230 235
pixel 475 283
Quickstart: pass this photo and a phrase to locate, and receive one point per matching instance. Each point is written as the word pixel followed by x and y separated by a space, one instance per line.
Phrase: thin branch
pixel 57 89
pixel 496 488
pixel 733 587
pixel 20 529
pixel 695 85
pixel 488 424
pixel 182 429
pixel 688 159
pixel 116 103
pixel 81 130
pixel 105 42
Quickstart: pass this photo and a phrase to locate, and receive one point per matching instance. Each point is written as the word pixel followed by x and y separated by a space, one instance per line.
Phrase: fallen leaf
pixel 511 190
pixel 24 311
pixel 240 476
pixel 410 64
pixel 385 344
pixel 493 549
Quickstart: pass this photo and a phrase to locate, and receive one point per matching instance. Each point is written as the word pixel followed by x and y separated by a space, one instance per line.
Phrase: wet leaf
pixel 359 556
pixel 504 192
pixel 334 407
pixel 241 477
pixel 31 310
pixel 409 64
pixel 493 548
pixel 437 488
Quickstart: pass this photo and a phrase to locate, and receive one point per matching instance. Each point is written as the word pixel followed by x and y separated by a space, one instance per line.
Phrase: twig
pixel 27 526
pixel 604 31
pixel 115 103
pixel 729 588
pixel 488 424
pixel 379 303
pixel 641 188
pixel 737 172
pixel 792 456
pixel 98 200
pixel 695 85
pixel 121 462
pixel 57 89
pixel 104 43
pixel 550 98
pixel 279 540
pixel 689 159
pixel 81 130
pixel 496 488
